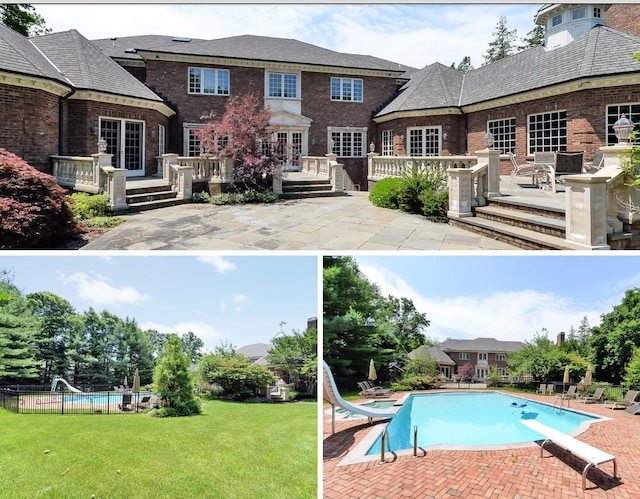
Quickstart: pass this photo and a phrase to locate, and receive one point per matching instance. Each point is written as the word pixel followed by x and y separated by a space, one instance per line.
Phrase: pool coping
pixel 359 453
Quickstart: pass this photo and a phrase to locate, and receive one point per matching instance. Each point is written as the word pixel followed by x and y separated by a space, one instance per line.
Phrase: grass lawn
pixel 232 450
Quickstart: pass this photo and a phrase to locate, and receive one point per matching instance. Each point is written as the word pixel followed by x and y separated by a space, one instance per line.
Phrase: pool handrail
pixel 332 395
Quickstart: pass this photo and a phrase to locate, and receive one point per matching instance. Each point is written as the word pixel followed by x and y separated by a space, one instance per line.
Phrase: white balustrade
pixel 77 173
pixel 396 166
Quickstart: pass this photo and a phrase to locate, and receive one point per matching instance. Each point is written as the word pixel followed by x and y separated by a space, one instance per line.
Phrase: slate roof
pixel 19 55
pixel 602 51
pixel 435 351
pixel 88 68
pixel 249 47
pixel 480 345
pixel 255 350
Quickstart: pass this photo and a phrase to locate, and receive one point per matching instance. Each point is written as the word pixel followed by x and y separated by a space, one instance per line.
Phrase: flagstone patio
pixel 516 473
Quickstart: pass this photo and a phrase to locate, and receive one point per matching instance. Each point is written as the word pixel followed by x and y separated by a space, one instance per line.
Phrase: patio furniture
pixel 125 405
pixel 144 402
pixel 332 395
pixel 584 451
pixel 596 164
pixel 596 397
pixel 373 391
pixel 570 393
pixel 542 388
pixel 633 408
pixel 523 170
pixel 628 399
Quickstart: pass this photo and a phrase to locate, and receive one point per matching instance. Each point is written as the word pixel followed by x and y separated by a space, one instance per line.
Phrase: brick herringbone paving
pixel 517 473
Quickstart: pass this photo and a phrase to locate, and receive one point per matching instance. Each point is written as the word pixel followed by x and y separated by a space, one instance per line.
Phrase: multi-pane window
pixel 631 111
pixel 346 89
pixel 192 143
pixel 283 85
pixel 579 13
pixel 547 132
pixel 162 139
pixel 387 142
pixel 502 371
pixel 501 356
pixel 463 356
pixel 597 13
pixel 482 357
pixel 504 134
pixel 208 81
pixel 556 20
pixel 424 141
pixel 348 143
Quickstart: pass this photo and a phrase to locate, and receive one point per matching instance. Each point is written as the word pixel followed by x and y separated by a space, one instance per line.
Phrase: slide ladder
pixel 60 379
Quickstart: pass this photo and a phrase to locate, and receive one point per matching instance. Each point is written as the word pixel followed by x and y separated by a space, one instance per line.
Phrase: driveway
pixel 344 223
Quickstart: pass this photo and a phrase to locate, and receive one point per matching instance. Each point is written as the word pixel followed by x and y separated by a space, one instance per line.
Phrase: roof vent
pixel 181 39
pixel 130 51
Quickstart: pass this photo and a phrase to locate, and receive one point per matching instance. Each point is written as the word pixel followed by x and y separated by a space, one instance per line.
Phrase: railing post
pixel 370 167
pixel 586 211
pixel 460 192
pixel 168 160
pixel 337 177
pixel 277 183
pixel 184 184
pixel 492 158
pixel 116 187
pixel 226 170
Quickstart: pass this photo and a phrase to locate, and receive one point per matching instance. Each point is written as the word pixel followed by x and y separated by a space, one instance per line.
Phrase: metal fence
pixel 103 402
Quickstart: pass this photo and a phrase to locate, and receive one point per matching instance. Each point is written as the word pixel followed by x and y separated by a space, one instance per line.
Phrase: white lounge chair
pixel 331 394
pixel 628 399
pixel 584 451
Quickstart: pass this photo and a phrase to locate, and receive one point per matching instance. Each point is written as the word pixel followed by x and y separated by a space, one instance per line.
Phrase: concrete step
pixel 150 196
pixel 306 188
pixel 152 205
pixel 311 194
pixel 132 190
pixel 523 219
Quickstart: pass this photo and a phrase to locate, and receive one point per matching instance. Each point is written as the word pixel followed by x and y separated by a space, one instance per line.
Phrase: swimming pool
pixel 473 419
pixel 100 398
pixel 376 404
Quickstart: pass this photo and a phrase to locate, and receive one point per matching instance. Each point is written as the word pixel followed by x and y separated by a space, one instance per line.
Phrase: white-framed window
pixel 348 142
pixel 547 132
pixel 282 85
pixel 504 134
pixel 208 81
pixel 463 356
pixel 191 145
pixel 346 89
pixel 162 139
pixel 501 356
pixel 387 142
pixel 597 12
pixel 556 20
pixel 425 141
pixel 482 357
pixel 579 13
pixel 445 371
pixel 614 111
pixel 502 371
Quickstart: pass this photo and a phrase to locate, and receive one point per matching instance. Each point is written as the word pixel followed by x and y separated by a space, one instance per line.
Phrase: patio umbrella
pixel 565 380
pixel 136 382
pixel 372 371
pixel 587 377
pixel 126 382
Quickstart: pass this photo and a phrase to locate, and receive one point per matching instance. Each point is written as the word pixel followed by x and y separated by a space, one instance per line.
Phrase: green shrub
pixel 385 193
pixel 86 206
pixel 423 382
pixel 240 383
pixel 413 186
pixel 435 204
pixel 200 197
pixel 104 222
pixel 250 196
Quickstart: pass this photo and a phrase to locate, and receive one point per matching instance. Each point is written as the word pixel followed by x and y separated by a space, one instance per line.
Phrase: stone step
pixel 152 205
pixel 132 190
pixel 150 196
pixel 306 188
pixel 523 219
pixel 310 194
pixel 517 236
pixel 531 206
pixel 323 181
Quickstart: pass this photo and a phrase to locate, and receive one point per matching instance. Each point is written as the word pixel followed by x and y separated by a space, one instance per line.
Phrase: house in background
pixel 482 353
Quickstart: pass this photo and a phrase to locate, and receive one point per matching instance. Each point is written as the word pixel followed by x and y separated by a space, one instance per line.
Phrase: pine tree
pixel 502 45
pixel 534 38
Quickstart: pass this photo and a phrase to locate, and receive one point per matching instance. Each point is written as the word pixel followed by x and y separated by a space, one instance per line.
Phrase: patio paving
pixel 349 222
pixel 516 473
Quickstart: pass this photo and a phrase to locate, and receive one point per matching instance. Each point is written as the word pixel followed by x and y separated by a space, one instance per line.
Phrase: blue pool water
pixel 473 419
pixel 100 398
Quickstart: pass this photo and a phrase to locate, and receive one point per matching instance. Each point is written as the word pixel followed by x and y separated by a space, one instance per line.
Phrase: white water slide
pixel 332 395
pixel 59 379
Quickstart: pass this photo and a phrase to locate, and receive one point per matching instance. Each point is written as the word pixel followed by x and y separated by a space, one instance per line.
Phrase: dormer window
pixel 579 13
pixel 556 20
pixel 597 12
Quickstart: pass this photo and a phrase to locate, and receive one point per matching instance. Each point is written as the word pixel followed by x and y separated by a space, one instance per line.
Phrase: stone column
pixel 492 158
pixel 168 160
pixel 370 157
pixel 100 161
pixel 337 177
pixel 460 192
pixel 277 183
pixel 184 183
pixel 226 170
pixel 586 211
pixel 116 187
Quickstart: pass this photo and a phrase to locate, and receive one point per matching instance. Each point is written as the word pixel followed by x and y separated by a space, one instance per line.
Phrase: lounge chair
pixel 596 164
pixel 595 398
pixel 144 402
pixel 331 394
pixel 125 405
pixel 542 388
pixel 367 389
pixel 570 393
pixel 628 399
pixel 633 408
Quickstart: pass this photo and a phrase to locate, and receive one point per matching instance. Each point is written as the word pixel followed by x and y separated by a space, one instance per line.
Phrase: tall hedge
pixel 33 212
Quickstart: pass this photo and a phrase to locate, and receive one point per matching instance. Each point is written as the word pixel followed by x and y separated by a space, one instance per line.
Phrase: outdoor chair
pixel 595 398
pixel 569 163
pixel 542 388
pixel 596 164
pixel 523 170
pixel 628 399
pixel 373 391
pixel 125 405
pixel 633 408
pixel 545 164
pixel 144 402
pixel 570 393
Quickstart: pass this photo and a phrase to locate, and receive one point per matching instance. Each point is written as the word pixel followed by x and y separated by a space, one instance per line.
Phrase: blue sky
pixel 241 299
pixel 411 34
pixel 506 297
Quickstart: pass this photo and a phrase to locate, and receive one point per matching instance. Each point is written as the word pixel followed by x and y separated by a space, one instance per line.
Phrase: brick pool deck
pixel 516 473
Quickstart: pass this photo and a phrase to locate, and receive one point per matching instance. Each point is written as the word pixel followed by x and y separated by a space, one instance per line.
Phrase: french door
pixel 125 140
pixel 288 148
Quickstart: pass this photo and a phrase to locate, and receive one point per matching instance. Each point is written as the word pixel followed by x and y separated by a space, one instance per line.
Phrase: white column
pixel 586 211
pixel 116 187
pixel 168 160
pixel 185 181
pixel 460 192
pixel 492 158
pixel 337 177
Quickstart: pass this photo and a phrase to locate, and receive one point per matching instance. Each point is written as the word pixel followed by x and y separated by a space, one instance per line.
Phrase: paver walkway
pixel 345 223
pixel 517 473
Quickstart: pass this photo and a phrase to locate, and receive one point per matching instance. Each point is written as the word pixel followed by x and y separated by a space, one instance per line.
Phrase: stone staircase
pixel 527 224
pixel 307 188
pixel 150 194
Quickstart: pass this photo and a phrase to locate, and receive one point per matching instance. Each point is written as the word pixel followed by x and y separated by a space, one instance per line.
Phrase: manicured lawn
pixel 232 450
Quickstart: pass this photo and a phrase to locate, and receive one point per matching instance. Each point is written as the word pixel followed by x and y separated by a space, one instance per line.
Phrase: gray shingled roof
pixel 435 86
pixel 249 47
pixel 89 68
pixel 255 350
pixel 435 351
pixel 19 55
pixel 480 345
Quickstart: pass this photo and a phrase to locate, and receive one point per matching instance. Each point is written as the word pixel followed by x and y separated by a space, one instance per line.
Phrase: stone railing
pixel 471 186
pixel 379 167
pixel 325 166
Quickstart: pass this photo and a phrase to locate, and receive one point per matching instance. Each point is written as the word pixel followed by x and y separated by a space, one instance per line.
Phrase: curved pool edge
pixel 359 454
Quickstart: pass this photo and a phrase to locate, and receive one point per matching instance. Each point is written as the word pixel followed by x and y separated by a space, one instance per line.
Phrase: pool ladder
pixel 385 438
pixel 560 400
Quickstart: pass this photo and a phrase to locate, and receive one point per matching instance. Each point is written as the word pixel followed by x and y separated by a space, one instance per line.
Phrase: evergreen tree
pixel 534 38
pixel 173 382
pixel 503 44
pixel 465 65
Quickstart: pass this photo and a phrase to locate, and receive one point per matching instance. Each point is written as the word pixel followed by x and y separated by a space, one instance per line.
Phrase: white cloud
pixel 98 291
pixel 220 263
pixel 510 315
pixel 207 333
pixel 239 302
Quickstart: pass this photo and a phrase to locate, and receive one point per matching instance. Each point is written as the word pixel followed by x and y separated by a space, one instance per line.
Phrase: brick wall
pixel 82 121
pixel 29 124
pixel 625 17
